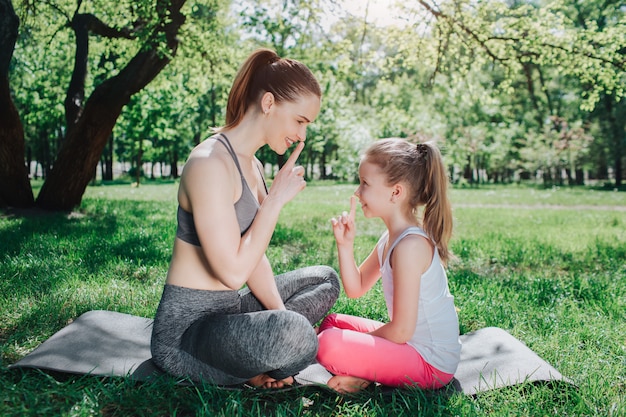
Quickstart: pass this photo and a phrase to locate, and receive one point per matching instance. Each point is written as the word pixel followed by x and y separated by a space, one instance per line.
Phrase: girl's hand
pixel 344 227
pixel 290 179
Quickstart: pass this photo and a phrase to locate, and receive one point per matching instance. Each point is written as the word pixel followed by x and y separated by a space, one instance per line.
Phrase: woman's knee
pixel 330 275
pixel 296 330
pixel 323 273
pixel 329 280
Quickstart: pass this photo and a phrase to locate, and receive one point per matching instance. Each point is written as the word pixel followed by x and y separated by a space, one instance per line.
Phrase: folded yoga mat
pixel 108 343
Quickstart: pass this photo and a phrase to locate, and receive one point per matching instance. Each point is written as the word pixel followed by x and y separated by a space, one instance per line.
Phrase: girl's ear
pixel 267 101
pixel 397 193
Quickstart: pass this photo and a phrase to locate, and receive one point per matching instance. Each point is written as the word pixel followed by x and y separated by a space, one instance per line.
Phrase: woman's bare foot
pixel 345 384
pixel 266 381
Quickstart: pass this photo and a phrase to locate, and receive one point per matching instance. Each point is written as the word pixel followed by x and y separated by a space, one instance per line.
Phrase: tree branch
pixel 620 65
pixel 456 23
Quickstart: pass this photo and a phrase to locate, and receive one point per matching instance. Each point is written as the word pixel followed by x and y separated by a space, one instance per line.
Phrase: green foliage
pixel 487 80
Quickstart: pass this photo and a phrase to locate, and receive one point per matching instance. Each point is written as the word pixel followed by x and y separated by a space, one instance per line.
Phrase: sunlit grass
pixel 546 265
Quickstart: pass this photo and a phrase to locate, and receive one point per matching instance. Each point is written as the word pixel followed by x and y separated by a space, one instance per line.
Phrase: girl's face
pixel 373 192
pixel 289 121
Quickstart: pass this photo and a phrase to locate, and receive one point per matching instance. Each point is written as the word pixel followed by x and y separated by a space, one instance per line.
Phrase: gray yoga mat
pixel 107 343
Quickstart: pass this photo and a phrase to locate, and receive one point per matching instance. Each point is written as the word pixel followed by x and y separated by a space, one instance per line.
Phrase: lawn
pixel 547 265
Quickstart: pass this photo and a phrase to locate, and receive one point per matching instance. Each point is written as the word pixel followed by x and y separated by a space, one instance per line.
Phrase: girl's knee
pixel 330 346
pixel 328 322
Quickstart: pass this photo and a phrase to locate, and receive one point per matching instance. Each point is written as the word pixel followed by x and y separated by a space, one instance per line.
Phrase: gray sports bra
pixel 245 208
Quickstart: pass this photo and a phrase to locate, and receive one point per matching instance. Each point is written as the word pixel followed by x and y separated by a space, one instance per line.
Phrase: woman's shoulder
pixel 208 155
pixel 208 167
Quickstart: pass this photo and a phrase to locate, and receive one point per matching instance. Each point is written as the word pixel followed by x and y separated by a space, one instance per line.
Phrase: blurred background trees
pixel 511 90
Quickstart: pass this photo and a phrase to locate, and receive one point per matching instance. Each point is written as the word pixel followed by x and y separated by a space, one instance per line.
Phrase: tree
pixel 90 123
pixel 583 41
pixel 90 120
pixel 15 189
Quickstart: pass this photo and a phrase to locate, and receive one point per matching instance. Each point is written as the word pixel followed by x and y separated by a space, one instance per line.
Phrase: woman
pixel 207 327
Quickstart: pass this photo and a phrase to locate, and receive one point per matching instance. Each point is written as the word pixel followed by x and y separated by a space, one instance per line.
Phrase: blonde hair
pixel 421 167
pixel 264 71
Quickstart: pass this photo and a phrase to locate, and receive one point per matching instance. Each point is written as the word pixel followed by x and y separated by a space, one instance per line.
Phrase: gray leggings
pixel 227 337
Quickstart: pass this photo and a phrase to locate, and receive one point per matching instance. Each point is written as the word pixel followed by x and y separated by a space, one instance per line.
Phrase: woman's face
pixel 289 120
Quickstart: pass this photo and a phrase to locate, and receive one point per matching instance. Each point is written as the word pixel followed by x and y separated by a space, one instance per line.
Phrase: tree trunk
pixel 15 188
pixel 174 165
pixel 139 169
pixel 107 160
pixel 83 146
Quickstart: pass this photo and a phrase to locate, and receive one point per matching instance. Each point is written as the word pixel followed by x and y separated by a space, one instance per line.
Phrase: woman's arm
pixel 232 258
pixel 263 286
pixel 410 258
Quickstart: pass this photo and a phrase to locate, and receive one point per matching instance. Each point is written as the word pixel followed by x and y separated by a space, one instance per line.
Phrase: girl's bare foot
pixel 345 384
pixel 266 381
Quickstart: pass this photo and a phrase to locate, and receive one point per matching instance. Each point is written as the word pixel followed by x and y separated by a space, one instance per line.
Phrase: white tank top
pixel 436 335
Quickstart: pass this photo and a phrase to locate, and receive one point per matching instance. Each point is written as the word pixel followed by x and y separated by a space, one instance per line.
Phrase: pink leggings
pixel 345 348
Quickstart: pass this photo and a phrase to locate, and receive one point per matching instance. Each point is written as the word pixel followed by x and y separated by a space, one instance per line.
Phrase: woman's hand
pixel 289 181
pixel 344 227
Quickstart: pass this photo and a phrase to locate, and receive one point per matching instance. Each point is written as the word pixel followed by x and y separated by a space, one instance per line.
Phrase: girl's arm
pixel 233 258
pixel 357 280
pixel 410 258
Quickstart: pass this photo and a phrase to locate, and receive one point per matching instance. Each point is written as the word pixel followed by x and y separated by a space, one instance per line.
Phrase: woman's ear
pixel 267 101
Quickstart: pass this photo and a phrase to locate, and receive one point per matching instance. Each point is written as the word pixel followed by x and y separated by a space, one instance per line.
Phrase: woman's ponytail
pixel 238 100
pixel 264 71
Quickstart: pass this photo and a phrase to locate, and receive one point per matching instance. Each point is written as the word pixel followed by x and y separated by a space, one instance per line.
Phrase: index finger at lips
pixel 352 207
pixel 291 162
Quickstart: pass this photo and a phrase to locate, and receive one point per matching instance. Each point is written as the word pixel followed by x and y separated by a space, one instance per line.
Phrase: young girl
pixel 224 318
pixel 420 344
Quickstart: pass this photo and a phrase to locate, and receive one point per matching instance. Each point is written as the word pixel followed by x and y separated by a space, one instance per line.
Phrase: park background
pixel 511 90
pixel 101 102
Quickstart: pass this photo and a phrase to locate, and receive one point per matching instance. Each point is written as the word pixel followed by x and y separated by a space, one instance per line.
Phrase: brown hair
pixel 421 167
pixel 264 71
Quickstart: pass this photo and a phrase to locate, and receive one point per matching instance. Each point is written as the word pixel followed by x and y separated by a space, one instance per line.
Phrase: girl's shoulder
pixel 413 241
pixel 415 250
pixel 411 232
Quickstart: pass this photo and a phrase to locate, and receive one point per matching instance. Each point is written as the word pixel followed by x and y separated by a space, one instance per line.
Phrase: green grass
pixel 547 265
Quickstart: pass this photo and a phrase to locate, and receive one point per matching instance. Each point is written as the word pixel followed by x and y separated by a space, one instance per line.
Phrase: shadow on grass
pixel 164 395
pixel 57 265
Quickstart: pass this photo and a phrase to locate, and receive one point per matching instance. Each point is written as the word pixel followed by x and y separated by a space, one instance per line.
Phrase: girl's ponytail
pixel 437 217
